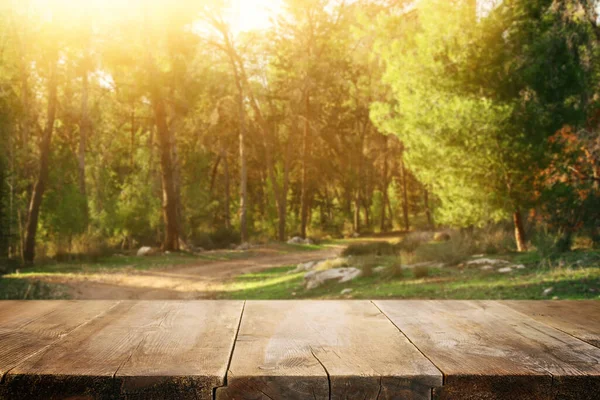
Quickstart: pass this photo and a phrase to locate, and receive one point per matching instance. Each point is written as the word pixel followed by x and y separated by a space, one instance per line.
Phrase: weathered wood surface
pixel 299 349
pixel 26 328
pixel 489 351
pixel 158 350
pixel 324 350
pixel 576 317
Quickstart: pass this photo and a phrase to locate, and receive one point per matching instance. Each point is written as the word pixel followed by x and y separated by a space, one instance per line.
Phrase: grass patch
pixel 570 278
pixel 18 288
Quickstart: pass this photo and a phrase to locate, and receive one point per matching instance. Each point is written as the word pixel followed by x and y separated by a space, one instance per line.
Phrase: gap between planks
pixel 237 331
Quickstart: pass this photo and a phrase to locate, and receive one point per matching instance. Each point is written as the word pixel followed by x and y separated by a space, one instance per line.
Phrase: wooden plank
pixel 488 351
pixel 580 318
pixel 146 349
pixel 324 350
pixel 28 327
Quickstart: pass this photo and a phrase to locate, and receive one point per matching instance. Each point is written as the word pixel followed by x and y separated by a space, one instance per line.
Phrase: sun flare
pixel 241 15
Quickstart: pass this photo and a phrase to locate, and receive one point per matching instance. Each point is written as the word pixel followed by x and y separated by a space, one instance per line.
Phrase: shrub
pixel 374 248
pixel 222 238
pixel 413 240
pixel 458 248
pixel 421 271
pixel 394 270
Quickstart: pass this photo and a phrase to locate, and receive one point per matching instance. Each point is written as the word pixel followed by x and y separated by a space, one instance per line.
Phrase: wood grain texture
pixel 28 327
pixel 149 350
pixel 324 350
pixel 579 318
pixel 488 351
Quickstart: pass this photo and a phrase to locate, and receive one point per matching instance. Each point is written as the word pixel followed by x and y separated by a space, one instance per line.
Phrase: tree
pixel 474 97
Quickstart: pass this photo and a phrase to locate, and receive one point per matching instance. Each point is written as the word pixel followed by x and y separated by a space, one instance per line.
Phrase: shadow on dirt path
pixel 197 281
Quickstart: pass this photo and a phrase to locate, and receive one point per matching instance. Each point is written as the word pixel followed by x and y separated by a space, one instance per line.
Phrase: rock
pixel 244 246
pixel 144 251
pixel 307 266
pixel 314 279
pixel 520 266
pixel 378 270
pixel 346 291
pixel 555 298
pixel 299 240
pixel 547 291
pixel 487 261
pixel 487 268
pixel 505 270
pixel 441 237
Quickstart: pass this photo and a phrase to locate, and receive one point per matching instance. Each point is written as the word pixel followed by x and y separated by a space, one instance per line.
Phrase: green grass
pixel 569 281
pixel 16 288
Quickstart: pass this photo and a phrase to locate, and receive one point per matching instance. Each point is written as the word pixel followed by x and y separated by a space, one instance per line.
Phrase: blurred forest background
pixel 159 123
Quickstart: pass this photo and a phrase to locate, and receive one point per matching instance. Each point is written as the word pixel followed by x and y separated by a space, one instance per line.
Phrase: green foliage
pixel 473 102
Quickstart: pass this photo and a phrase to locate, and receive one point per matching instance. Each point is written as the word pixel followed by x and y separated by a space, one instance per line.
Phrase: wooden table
pixel 228 350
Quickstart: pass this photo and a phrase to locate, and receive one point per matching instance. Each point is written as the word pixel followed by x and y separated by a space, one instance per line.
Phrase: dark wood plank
pixel 324 350
pixel 150 349
pixel 580 318
pixel 488 351
pixel 28 327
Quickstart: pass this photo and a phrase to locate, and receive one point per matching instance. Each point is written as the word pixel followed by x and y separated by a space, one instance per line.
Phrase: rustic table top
pixel 300 350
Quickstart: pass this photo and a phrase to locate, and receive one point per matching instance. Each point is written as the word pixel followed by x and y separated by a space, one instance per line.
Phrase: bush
pixel 374 248
pixel 548 244
pixel 457 249
pixel 413 240
pixel 394 270
pixel 223 238
pixel 421 271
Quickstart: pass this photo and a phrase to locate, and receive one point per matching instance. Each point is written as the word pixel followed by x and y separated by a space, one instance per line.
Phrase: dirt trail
pixel 198 281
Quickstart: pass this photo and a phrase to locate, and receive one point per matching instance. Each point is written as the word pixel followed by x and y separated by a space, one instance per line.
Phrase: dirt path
pixel 198 281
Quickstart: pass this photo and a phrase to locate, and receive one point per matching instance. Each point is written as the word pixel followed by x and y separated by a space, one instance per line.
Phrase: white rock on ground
pixel 346 291
pixel 307 266
pixel 520 266
pixel 487 268
pixel 144 251
pixel 244 246
pixel 547 291
pixel 378 270
pixel 299 240
pixel 505 270
pixel 487 261
pixel 314 279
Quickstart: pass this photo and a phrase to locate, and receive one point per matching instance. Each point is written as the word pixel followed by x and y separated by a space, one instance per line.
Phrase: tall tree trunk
pixel 384 186
pixel 306 148
pixel 42 181
pixel 282 205
pixel 227 190
pixel 428 209
pixel 405 196
pixel 519 231
pixel 357 212
pixel 169 200
pixel 243 167
pixel 84 127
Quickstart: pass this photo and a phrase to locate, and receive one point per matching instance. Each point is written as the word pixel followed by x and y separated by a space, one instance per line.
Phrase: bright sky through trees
pixel 248 15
